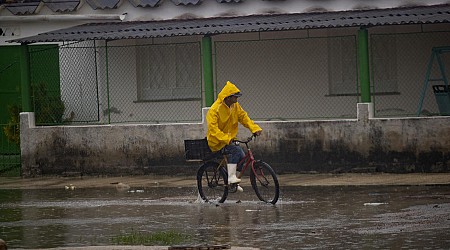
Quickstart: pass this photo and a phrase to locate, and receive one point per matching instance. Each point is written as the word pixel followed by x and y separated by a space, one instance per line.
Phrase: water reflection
pixel 305 217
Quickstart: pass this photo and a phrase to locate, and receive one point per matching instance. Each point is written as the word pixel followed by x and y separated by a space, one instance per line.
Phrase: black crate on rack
pixel 196 150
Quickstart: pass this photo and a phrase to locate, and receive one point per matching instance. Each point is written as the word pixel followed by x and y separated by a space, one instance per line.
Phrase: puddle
pixel 305 217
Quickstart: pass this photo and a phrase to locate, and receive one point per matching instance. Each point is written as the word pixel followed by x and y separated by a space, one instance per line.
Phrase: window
pixel 384 64
pixel 342 66
pixel 169 72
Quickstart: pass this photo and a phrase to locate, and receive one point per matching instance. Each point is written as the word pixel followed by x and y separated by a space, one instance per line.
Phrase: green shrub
pixel 48 108
pixel 12 128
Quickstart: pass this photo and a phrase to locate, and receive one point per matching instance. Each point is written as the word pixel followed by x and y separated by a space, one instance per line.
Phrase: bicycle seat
pixel 214 155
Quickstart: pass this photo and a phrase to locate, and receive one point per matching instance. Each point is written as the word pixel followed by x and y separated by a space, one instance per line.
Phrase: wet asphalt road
pixel 387 216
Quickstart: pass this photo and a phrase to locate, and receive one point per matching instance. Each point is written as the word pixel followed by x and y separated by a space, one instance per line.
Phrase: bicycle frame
pixel 248 160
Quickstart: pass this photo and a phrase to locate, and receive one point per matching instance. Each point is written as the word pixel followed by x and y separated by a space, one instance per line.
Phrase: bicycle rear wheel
pixel 212 182
pixel 265 182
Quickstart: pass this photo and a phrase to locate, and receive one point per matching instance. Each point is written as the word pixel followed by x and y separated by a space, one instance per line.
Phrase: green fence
pixel 9 108
pixel 9 156
pixel 45 96
pixel 45 84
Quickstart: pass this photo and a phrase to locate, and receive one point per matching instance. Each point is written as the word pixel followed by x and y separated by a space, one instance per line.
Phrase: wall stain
pixel 379 145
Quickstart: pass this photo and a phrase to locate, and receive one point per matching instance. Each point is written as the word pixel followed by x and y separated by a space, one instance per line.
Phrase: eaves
pixel 255 23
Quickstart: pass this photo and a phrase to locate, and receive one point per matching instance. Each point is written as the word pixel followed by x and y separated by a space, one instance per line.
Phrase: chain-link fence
pixel 118 82
pixel 154 83
pixel 79 82
pixel 292 78
pixel 132 81
pixel 399 69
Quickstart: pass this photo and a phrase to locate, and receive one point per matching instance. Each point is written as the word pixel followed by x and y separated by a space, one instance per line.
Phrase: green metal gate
pixel 9 98
pixel 45 86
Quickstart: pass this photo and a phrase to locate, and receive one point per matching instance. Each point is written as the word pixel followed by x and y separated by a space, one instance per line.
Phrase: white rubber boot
pixel 239 188
pixel 231 168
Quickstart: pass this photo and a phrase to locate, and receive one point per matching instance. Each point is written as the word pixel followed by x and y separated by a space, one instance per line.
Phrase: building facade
pixel 155 62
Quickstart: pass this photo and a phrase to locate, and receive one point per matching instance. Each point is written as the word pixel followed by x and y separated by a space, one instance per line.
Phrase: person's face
pixel 234 99
pixel 230 100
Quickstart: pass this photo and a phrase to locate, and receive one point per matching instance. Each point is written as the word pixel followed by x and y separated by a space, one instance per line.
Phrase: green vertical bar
pixel 208 70
pixel 25 78
pixel 363 56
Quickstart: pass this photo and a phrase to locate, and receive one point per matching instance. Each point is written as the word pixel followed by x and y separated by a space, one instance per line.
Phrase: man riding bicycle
pixel 223 118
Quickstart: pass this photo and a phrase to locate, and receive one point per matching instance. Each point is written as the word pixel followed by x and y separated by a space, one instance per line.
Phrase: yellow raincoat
pixel 223 120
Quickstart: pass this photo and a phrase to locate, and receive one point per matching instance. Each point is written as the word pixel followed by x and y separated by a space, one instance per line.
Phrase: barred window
pixel 169 72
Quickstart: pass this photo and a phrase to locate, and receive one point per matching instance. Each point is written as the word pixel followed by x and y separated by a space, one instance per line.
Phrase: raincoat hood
pixel 223 121
pixel 228 90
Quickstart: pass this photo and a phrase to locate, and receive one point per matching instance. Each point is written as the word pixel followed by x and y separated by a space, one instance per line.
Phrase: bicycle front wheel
pixel 265 182
pixel 212 182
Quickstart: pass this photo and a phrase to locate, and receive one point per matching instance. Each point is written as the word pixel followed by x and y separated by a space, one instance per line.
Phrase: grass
pixel 162 238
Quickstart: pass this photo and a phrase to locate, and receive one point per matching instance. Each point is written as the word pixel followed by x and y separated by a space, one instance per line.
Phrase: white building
pixel 300 55
pixel 162 61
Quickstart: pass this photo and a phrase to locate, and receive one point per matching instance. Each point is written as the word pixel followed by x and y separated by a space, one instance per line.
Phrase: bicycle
pixel 212 176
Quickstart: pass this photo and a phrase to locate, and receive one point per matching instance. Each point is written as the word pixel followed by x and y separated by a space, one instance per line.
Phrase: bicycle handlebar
pixel 249 139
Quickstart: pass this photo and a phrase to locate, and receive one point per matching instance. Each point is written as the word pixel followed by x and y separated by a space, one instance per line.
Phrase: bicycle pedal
pixel 232 188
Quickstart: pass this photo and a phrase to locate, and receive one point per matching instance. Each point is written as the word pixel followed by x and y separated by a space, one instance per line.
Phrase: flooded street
pixel 339 217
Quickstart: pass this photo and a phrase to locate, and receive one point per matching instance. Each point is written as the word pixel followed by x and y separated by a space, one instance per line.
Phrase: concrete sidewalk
pixel 147 181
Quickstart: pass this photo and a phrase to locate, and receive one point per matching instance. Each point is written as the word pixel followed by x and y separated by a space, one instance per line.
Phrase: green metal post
pixel 25 78
pixel 363 58
pixel 208 70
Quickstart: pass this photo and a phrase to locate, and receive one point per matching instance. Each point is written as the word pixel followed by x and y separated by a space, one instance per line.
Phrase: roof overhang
pixel 255 23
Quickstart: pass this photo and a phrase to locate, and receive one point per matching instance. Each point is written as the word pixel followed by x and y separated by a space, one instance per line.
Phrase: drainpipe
pixel 25 78
pixel 363 58
pixel 208 70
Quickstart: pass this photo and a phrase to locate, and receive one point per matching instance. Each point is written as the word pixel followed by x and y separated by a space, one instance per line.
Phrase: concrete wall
pixel 362 144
